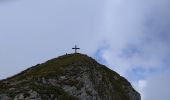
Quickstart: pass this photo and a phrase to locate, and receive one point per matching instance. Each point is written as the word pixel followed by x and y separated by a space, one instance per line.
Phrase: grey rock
pixel 72 76
pixel 4 97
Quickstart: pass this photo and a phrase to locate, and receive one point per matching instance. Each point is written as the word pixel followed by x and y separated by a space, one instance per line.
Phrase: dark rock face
pixel 68 77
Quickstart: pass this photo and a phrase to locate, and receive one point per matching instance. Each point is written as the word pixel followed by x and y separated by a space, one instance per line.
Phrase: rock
pixel 68 77
pixel 4 97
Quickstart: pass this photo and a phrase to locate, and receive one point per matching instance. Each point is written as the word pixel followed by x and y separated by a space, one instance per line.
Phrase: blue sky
pixel 129 36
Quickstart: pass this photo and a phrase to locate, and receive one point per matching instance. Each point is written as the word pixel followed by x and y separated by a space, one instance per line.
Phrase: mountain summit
pixel 68 77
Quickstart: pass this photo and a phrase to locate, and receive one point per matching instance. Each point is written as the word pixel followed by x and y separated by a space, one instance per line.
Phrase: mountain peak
pixel 68 77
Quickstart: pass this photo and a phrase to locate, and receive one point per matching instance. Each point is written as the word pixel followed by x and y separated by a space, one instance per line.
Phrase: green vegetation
pixel 109 75
pixel 70 66
pixel 53 67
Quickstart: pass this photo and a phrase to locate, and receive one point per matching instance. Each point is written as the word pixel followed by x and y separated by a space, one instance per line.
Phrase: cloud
pixel 138 34
pixel 157 87
pixel 154 86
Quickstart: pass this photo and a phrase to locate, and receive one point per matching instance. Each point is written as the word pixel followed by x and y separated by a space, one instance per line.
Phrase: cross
pixel 75 48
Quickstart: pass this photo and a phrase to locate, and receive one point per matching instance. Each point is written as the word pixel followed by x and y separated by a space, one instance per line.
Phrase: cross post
pixel 75 48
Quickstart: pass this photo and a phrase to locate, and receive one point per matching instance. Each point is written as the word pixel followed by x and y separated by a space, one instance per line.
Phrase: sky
pixel 131 37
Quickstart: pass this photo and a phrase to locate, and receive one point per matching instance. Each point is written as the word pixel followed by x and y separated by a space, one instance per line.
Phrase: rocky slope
pixel 68 77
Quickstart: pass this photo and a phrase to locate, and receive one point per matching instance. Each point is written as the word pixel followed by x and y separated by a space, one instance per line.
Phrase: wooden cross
pixel 75 48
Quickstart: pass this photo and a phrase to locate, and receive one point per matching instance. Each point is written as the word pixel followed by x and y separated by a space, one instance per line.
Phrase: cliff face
pixel 68 77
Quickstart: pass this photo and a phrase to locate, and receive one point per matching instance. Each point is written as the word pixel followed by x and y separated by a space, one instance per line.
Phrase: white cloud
pixel 154 87
pixel 157 87
pixel 137 34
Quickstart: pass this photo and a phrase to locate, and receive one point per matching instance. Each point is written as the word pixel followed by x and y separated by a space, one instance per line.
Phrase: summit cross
pixel 75 48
